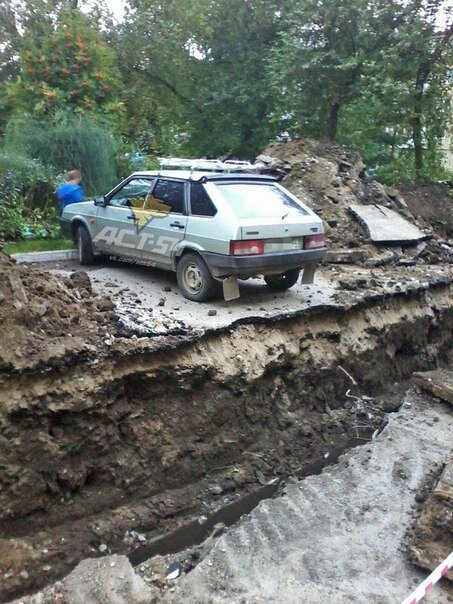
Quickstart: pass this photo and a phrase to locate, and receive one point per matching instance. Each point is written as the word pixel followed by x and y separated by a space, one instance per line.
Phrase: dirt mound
pixel 45 316
pixel 432 204
pixel 433 535
pixel 330 178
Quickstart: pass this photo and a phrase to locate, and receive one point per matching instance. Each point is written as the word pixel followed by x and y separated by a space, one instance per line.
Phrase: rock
pixel 108 580
pixel 438 382
pixel 161 302
pixel 273 165
pixel 81 280
pixel 345 256
pixel 433 535
pixel 384 225
pixel 167 288
pixel 212 312
pixel 174 571
pixel 105 304
pixel 17 287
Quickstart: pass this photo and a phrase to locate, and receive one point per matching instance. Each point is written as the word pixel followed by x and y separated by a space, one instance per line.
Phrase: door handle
pixel 131 217
pixel 177 224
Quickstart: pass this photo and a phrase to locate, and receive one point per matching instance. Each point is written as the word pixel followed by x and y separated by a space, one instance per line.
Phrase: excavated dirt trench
pixel 149 437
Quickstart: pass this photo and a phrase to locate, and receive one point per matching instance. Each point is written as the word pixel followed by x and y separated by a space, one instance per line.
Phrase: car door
pixel 118 223
pixel 165 208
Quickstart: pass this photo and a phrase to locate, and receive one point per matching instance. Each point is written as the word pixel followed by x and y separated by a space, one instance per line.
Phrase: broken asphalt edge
pixel 152 344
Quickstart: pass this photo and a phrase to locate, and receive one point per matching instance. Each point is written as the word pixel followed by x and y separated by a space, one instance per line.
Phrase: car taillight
pixel 243 248
pixel 313 241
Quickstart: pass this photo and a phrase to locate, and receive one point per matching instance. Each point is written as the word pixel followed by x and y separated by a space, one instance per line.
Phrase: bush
pixel 12 224
pixel 29 178
pixel 27 198
pixel 68 142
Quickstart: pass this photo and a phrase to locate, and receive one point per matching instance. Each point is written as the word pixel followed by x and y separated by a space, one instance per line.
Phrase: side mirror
pixel 101 201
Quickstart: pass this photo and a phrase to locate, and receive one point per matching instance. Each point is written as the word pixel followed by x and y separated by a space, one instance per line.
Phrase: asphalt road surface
pixel 154 290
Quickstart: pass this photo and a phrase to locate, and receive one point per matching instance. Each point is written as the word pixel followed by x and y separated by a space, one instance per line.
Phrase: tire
pixel 283 281
pixel 194 278
pixel 85 252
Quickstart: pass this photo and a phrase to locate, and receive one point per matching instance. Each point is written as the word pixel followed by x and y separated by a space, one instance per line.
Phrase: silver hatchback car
pixel 212 228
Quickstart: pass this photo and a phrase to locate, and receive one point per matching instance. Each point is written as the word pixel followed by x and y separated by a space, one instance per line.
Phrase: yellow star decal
pixel 144 213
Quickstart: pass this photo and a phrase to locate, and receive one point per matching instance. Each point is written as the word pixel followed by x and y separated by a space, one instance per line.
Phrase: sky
pixel 117 8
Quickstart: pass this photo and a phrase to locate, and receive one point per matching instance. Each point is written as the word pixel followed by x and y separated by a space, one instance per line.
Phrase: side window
pixel 200 203
pixel 132 194
pixel 169 193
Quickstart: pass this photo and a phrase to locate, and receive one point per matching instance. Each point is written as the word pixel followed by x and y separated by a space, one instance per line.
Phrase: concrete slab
pixel 150 302
pixel 151 297
pixel 384 225
pixel 438 382
pixel 49 256
pixel 338 537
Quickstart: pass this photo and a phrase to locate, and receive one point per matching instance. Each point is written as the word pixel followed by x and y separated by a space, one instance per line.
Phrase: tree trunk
pixel 420 81
pixel 333 121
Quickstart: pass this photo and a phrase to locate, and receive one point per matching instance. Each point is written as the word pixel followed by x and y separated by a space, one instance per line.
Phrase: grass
pixel 37 245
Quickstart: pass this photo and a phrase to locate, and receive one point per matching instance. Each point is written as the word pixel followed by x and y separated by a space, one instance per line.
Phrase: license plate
pixel 282 245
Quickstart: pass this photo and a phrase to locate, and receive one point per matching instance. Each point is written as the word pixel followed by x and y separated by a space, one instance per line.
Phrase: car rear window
pixel 250 200
pixel 200 203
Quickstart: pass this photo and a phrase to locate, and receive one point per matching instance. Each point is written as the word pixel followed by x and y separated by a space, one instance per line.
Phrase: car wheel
pixel 194 278
pixel 283 281
pixel 85 252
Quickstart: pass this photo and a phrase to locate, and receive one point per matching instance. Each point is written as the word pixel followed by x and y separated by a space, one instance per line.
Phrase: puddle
pixel 195 533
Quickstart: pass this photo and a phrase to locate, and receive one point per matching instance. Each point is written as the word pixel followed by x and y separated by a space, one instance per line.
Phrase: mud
pixel 44 317
pixel 432 204
pixel 330 178
pixel 338 537
pixel 433 535
pixel 114 450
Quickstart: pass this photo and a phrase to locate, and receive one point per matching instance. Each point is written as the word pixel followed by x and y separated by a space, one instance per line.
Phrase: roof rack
pixel 206 165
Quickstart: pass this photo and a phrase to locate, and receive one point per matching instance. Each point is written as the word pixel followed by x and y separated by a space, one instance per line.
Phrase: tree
pixel 200 69
pixel 327 55
pixel 430 73
pixel 10 37
pixel 64 63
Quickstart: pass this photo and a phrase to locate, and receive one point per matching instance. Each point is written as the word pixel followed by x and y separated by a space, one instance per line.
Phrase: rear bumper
pixel 221 265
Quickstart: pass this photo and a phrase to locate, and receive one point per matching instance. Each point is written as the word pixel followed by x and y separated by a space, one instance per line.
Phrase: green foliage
pixel 27 177
pixel 38 245
pixel 69 142
pixel 203 77
pixel 27 199
pixel 64 65
pixel 201 64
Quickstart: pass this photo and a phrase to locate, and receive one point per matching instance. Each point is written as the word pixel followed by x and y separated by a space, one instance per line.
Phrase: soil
pixel 110 438
pixel 104 452
pixel 432 539
pixel 329 178
pixel 337 537
pixel 315 541
pixel 431 204
pixel 44 317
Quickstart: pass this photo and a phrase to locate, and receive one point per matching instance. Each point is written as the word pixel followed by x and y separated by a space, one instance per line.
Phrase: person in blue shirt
pixel 70 191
